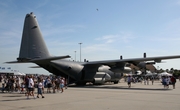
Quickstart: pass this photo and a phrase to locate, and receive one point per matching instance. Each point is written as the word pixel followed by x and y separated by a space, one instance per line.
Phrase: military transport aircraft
pixel 33 50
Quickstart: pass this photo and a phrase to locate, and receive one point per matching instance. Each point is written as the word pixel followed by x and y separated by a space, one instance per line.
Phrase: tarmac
pixel 99 97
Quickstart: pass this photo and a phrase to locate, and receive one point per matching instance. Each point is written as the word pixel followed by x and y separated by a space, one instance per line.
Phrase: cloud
pixel 109 38
pixel 123 37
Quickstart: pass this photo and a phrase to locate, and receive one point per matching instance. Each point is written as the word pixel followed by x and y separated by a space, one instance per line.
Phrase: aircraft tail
pixel 32 42
pixel 33 48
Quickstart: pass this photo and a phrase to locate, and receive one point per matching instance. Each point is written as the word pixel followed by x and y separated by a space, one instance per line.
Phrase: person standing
pixel 152 80
pixel 167 81
pixel 30 87
pixel 54 86
pixel 40 86
pixel 164 81
pixel 62 84
pixel 49 85
pixel 173 81
pixel 129 81
pixel 57 83
pixel 26 80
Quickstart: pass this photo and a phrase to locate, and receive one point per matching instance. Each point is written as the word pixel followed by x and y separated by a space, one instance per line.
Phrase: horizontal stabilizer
pixel 16 62
pixel 49 58
pixel 38 60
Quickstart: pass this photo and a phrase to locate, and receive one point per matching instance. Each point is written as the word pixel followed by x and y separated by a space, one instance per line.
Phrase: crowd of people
pixel 165 80
pixel 168 80
pixel 29 84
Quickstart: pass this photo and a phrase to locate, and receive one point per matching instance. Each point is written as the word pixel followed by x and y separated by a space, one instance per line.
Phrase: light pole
pixel 75 55
pixel 80 50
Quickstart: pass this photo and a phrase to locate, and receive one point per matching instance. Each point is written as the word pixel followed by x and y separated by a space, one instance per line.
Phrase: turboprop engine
pixel 101 77
pixel 144 64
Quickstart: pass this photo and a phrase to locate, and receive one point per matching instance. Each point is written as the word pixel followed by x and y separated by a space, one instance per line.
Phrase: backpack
pixel 173 79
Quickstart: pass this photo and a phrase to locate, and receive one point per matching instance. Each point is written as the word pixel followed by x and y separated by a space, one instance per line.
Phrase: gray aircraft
pixel 33 50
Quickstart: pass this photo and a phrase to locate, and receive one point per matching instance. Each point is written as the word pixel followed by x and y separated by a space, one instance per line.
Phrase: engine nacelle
pixel 144 64
pixel 150 63
pixel 121 70
pixel 99 81
pixel 101 77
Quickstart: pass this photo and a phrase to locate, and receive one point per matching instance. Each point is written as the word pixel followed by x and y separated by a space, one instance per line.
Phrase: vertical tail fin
pixel 32 42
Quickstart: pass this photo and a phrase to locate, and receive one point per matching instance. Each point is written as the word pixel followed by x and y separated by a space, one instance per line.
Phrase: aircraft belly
pixel 67 68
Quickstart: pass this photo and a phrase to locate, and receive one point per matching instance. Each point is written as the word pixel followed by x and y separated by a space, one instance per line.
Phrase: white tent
pixel 151 74
pixel 23 74
pixel 165 74
pixel 18 73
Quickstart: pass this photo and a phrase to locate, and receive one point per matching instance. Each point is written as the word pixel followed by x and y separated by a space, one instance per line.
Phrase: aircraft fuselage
pixel 90 73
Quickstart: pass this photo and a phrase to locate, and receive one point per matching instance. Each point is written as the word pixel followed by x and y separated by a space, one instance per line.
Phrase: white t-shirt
pixel 43 83
pixel 31 83
pixel 40 85
pixel 62 81
pixel 48 81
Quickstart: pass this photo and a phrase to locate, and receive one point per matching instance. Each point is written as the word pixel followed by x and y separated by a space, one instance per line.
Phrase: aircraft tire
pixel 116 82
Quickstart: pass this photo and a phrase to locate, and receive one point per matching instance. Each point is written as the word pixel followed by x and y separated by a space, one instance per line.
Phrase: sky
pixel 119 27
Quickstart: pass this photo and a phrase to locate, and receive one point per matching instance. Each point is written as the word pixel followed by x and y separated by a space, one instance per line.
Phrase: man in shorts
pixel 62 84
pixel 40 86
pixel 30 87
pixel 129 81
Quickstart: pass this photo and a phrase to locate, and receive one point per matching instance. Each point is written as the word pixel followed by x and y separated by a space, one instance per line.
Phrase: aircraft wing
pixel 131 60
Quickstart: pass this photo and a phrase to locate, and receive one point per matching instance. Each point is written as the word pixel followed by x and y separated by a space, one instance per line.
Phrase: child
pixel 53 86
pixel 40 85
